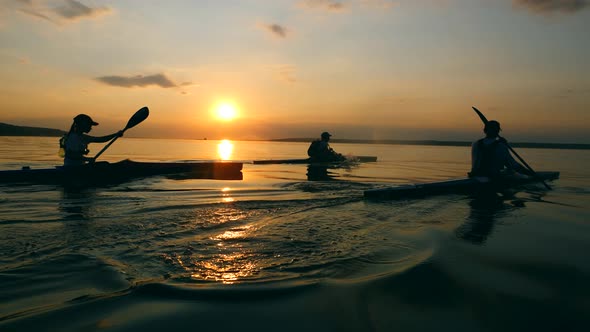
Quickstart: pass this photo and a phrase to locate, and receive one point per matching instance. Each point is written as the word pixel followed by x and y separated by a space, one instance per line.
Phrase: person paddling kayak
pixel 75 143
pixel 491 157
pixel 320 150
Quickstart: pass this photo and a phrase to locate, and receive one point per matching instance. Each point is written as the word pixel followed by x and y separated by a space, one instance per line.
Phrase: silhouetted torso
pixel 76 147
pixel 320 151
pixel 490 157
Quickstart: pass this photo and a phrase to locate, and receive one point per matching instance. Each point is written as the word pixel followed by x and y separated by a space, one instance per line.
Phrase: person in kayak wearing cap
pixel 491 157
pixel 75 142
pixel 320 150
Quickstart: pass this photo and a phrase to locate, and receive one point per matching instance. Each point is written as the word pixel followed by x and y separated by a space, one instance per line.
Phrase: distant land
pixel 573 146
pixel 12 130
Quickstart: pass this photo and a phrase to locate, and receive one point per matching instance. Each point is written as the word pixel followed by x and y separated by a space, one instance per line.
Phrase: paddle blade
pixel 481 116
pixel 138 117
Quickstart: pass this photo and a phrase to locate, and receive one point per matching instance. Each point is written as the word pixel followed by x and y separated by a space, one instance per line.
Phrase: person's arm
pixel 103 139
pixel 515 165
pixel 510 162
pixel 323 148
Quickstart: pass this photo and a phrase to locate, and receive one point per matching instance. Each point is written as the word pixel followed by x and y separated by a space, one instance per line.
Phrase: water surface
pixel 281 250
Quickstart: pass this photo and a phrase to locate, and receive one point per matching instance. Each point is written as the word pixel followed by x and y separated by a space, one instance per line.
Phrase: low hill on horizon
pixel 12 130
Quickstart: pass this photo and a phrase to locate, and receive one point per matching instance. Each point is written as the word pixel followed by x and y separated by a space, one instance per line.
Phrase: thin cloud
pixel 57 12
pixel 552 6
pixel 276 30
pixel 35 13
pixel 326 5
pixel 285 73
pixel 26 7
pixel 572 93
pixel 73 10
pixel 378 4
pixel 138 81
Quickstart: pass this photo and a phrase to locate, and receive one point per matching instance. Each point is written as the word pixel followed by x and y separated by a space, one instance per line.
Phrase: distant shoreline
pixel 567 146
pixel 12 130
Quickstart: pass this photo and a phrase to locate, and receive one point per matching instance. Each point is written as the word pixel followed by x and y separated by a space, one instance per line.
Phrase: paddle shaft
pixel 136 119
pixel 106 147
pixel 485 121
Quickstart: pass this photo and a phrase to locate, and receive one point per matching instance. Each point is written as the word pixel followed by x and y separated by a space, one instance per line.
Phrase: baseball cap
pixel 493 124
pixel 83 118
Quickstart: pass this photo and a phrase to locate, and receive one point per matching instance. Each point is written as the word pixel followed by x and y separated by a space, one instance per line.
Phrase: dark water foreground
pixel 130 259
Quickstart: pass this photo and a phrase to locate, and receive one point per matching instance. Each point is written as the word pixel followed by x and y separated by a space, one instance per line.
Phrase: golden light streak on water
pixel 225 149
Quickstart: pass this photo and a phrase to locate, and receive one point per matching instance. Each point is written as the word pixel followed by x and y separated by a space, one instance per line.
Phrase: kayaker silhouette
pixel 490 156
pixel 320 150
pixel 74 144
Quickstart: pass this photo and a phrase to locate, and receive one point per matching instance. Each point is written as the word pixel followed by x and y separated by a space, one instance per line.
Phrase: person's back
pixel 490 156
pixel 317 148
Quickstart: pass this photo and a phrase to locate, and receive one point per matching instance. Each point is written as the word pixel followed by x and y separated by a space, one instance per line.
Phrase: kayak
pixel 109 173
pixel 457 186
pixel 358 159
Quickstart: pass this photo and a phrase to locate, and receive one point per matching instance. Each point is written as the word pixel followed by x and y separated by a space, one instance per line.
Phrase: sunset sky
pixel 366 69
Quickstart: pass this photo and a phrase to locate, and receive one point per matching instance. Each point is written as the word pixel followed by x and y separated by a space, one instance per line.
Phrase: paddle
pixel 136 119
pixel 485 121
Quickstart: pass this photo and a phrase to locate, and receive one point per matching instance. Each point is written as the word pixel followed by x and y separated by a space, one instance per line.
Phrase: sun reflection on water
pixel 229 267
pixel 226 193
pixel 225 149
pixel 227 258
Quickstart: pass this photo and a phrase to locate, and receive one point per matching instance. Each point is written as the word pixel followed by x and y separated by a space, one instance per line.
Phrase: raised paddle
pixel 136 119
pixel 485 121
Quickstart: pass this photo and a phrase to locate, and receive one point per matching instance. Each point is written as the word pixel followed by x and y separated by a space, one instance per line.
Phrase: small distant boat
pixel 359 159
pixel 457 186
pixel 103 173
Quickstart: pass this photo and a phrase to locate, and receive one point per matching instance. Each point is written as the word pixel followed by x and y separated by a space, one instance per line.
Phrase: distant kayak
pixel 102 173
pixel 359 159
pixel 457 186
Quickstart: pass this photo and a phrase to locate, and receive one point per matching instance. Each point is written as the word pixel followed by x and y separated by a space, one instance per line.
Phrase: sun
pixel 226 111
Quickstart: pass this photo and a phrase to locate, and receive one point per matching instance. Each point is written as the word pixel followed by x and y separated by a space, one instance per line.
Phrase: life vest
pixel 62 146
pixel 74 147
